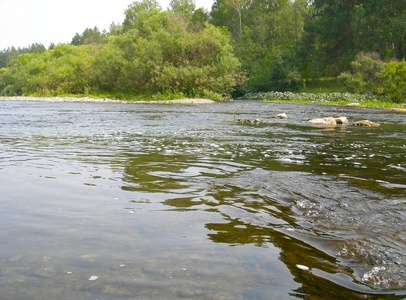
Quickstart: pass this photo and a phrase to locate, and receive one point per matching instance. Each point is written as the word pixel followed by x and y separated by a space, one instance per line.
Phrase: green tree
pixel 187 9
pixel 89 36
pixel 338 30
pixel 66 69
pixel 154 51
pixel 363 77
pixel 393 78
pixel 140 12
pixel 159 52
pixel 267 42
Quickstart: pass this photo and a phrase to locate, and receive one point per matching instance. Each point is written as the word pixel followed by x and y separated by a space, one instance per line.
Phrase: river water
pixel 137 201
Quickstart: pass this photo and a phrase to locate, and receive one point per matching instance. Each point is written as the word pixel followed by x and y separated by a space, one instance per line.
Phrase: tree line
pixel 239 46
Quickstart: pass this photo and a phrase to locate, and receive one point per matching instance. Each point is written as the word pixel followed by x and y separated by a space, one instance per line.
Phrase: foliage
pixel 371 75
pixel 393 78
pixel 337 30
pixel 154 51
pixel 9 54
pixel 164 56
pixel 89 36
pixel 239 46
pixel 266 36
pixel 66 69
pixel 285 75
pixel 363 77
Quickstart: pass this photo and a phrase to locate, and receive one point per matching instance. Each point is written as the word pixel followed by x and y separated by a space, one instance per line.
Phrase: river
pixel 138 201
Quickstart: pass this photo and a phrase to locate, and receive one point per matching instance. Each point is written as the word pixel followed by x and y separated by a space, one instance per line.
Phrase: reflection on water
pixel 115 201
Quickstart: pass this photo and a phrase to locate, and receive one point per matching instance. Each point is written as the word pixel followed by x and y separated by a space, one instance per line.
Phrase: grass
pixel 333 98
pixel 366 104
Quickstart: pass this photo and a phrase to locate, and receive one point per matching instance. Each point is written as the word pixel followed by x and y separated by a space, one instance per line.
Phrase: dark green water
pixel 172 202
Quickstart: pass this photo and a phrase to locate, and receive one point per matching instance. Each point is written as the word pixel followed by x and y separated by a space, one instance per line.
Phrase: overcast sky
pixel 24 22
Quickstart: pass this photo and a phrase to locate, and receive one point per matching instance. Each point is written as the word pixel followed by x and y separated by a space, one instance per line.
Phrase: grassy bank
pixel 342 99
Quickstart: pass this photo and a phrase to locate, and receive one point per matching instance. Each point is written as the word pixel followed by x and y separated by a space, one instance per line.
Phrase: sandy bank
pixel 103 100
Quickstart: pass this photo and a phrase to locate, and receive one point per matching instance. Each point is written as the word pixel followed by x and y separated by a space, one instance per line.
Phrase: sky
pixel 24 22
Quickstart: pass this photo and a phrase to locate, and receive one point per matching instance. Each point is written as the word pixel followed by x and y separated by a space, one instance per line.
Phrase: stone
pixel 366 123
pixel 281 116
pixel 324 121
pixel 342 121
pixel 303 267
pixel 253 121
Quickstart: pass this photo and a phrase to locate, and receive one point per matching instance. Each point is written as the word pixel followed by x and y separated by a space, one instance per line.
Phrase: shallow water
pixel 128 201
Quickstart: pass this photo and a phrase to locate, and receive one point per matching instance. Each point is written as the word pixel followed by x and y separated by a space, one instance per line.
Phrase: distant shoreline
pixel 104 100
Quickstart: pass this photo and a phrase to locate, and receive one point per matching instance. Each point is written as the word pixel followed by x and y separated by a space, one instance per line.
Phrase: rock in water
pixel 366 123
pixel 303 267
pixel 342 121
pixel 281 116
pixel 324 121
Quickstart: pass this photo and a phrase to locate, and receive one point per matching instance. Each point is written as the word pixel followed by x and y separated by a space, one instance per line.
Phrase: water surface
pixel 170 201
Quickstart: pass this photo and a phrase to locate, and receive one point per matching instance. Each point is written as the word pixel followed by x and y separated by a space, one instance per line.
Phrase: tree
pixel 89 36
pixel 64 70
pixel 224 15
pixel 268 38
pixel 238 6
pixel 139 12
pixel 185 8
pixel 159 52
pixel 11 53
pixel 338 30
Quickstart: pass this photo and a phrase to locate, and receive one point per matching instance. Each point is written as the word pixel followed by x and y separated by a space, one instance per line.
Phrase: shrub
pixel 393 78
pixel 363 77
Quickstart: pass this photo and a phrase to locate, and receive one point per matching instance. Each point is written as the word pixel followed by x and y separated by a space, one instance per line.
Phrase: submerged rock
pixel 281 116
pixel 327 121
pixel 253 121
pixel 366 123
pixel 303 267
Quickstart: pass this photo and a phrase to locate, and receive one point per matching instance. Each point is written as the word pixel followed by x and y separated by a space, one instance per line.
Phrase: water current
pixel 137 201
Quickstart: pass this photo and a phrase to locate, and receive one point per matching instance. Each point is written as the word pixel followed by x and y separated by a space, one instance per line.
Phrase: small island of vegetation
pixel 324 51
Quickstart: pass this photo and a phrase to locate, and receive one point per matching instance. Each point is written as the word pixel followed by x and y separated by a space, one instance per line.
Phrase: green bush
pixel 161 55
pixel 363 77
pixel 371 75
pixel 393 77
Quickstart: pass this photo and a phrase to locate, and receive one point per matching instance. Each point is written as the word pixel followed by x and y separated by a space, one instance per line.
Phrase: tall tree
pixel 89 36
pixel 340 29
pixel 267 40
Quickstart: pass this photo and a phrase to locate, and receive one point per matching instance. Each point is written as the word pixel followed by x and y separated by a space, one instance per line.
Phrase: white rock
pixel 342 120
pixel 302 267
pixel 281 116
pixel 93 278
pixel 323 121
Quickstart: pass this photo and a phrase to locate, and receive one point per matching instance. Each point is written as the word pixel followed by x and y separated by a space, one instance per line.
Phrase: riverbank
pixel 187 101
pixel 364 104
pixel 104 100
pixel 331 98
